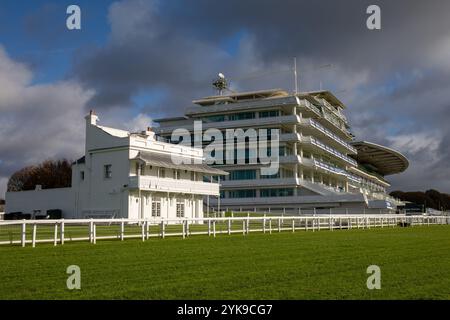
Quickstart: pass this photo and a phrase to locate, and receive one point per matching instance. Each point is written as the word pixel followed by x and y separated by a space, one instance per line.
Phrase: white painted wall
pixel 96 194
pixel 47 199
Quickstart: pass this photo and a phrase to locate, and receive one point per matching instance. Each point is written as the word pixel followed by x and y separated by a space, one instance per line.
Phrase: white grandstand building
pixel 321 166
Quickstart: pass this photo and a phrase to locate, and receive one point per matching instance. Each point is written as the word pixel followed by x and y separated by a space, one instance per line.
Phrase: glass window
pixel 217 118
pixel 273 176
pixel 284 192
pixel 156 209
pixel 245 193
pixel 269 113
pixel 242 175
pixel 241 116
pixel 162 173
pixel 107 171
pixel 180 210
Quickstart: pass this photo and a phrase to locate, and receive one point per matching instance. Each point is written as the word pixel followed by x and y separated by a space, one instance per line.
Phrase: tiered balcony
pixel 329 168
pixel 330 150
pixel 259 183
pixel 246 123
pixel 150 183
pixel 335 170
pixel 324 113
pixel 333 110
pixel 314 124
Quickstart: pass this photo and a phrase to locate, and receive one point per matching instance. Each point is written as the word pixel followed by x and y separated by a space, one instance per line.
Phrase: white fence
pixel 298 211
pixel 25 232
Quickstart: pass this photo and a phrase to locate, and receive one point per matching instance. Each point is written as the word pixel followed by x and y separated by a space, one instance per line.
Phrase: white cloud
pixel 139 123
pixel 37 121
pixel 415 143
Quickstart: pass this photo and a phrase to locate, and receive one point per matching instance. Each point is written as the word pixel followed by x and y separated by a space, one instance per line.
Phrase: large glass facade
pixel 269 113
pixel 244 193
pixel 241 116
pixel 242 175
pixel 282 192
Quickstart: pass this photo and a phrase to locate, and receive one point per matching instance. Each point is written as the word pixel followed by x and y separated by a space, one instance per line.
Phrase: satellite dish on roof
pixel 220 84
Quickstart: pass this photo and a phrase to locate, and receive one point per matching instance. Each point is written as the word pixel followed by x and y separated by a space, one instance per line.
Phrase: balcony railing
pixel 336 170
pixel 353 178
pixel 333 151
pixel 331 116
pixel 331 135
pixel 334 111
pixel 313 108
pixel 329 168
pixel 174 185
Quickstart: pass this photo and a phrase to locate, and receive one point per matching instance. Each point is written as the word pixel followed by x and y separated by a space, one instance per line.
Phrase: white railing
pixel 329 168
pixel 59 231
pixel 353 178
pixel 336 170
pixel 336 153
pixel 174 185
pixel 334 111
pixel 313 108
pixel 330 134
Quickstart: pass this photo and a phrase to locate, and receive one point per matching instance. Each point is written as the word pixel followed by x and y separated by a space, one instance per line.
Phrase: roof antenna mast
pixel 295 75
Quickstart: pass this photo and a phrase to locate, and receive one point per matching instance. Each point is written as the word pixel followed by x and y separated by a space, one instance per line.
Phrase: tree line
pixel 430 198
pixel 49 174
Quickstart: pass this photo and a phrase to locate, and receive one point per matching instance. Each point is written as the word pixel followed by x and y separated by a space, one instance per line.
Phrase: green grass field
pixel 414 262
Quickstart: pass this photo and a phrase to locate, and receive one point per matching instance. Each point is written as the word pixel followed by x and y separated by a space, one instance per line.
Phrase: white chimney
pixel 149 132
pixel 91 118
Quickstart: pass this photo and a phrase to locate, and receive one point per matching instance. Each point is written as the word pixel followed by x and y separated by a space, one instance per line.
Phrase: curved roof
pixel 384 160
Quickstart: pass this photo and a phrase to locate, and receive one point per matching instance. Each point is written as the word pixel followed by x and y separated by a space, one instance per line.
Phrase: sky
pixel 137 60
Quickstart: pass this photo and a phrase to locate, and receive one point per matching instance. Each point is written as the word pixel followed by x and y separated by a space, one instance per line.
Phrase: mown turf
pixel 414 262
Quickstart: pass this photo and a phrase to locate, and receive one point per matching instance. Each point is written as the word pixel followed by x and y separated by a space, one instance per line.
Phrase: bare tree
pixel 49 174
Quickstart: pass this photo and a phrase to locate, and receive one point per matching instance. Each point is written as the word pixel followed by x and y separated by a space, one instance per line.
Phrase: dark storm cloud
pixel 395 81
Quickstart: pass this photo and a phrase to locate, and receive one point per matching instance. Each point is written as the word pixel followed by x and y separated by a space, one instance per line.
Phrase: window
pixel 192 175
pixel 269 114
pixel 162 173
pixel 242 175
pixel 176 174
pixel 286 192
pixel 242 116
pixel 180 210
pixel 156 209
pixel 245 193
pixel 272 176
pixel 218 118
pixel 107 171
pixel 82 175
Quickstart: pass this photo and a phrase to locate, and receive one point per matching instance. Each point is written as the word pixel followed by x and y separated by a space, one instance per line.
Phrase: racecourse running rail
pixel 23 232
